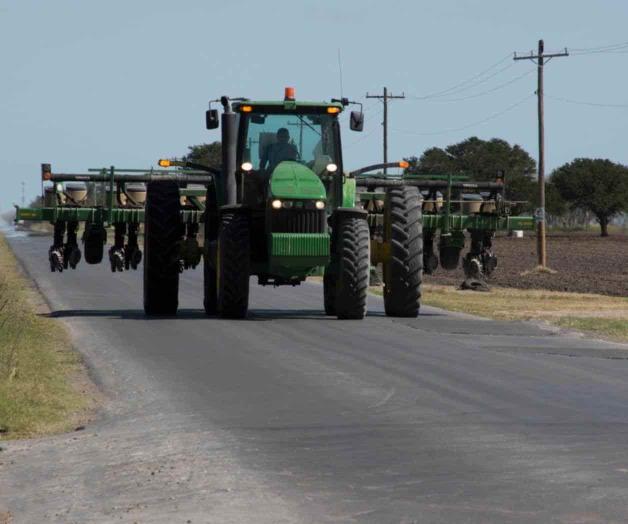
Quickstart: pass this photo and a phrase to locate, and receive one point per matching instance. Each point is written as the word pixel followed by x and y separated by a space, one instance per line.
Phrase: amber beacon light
pixel 289 93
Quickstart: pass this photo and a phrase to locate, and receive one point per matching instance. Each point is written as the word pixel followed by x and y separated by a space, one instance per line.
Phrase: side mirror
pixel 211 119
pixel 356 121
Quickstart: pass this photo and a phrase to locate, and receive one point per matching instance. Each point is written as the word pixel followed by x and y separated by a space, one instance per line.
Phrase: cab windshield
pixel 274 138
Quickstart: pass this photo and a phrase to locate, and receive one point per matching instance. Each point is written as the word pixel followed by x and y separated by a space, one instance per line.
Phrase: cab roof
pixel 269 106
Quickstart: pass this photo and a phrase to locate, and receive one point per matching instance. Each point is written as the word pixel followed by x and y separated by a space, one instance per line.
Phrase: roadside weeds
pixel 597 315
pixel 43 385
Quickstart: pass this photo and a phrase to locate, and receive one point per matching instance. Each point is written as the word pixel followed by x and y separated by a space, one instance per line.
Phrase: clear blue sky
pixel 88 84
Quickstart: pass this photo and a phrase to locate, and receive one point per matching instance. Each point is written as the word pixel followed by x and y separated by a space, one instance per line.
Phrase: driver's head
pixel 283 135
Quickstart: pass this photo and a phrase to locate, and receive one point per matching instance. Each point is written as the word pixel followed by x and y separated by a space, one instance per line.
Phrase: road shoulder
pixel 45 387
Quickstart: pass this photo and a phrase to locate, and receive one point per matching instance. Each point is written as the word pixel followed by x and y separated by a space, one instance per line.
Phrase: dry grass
pixel 599 315
pixel 539 269
pixel 38 368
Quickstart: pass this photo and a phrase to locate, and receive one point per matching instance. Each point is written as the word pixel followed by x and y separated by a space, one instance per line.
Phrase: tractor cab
pixel 282 207
pixel 288 150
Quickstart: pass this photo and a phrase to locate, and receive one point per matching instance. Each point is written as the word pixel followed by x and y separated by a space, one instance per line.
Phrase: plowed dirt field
pixel 584 262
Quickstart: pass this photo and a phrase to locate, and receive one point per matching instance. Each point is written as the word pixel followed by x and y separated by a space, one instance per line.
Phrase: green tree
pixel 481 160
pixel 555 204
pixel 597 185
pixel 208 154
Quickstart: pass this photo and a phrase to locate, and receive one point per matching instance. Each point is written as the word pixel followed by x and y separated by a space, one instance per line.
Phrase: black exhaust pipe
pixel 229 137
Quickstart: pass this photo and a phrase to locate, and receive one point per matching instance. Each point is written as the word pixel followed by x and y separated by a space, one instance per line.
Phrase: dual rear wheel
pixel 346 278
pixel 226 283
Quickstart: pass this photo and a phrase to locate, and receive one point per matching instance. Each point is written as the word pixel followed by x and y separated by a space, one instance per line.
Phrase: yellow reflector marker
pixel 246 109
pixel 333 110
pixel 405 164
pixel 164 162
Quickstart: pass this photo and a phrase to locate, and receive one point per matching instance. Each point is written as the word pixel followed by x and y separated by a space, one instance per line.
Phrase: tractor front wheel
pixel 233 271
pixel 354 259
pixel 404 269
pixel 162 235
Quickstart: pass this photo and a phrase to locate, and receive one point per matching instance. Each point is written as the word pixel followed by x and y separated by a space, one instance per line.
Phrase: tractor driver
pixel 279 151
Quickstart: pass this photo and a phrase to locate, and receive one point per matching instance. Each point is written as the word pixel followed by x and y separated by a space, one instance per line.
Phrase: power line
pixel 470 83
pixel 600 49
pixel 583 103
pixel 488 91
pixel 468 126
pixel 618 51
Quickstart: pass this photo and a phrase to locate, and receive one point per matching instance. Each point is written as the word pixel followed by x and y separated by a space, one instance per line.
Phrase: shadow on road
pixel 194 314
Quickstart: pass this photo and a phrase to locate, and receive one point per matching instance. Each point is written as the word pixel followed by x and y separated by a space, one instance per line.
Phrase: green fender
pixel 348 192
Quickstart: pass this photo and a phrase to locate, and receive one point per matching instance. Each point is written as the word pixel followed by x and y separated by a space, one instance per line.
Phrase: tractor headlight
pixel 276 204
pixel 246 167
pixel 320 204
pixel 331 168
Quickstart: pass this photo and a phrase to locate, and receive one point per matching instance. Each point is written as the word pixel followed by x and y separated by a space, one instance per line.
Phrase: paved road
pixel 291 416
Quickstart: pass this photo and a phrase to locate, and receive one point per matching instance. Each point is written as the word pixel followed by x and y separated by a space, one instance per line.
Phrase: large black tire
pixel 94 238
pixel 163 231
pixel 354 262
pixel 403 271
pixel 329 291
pixel 233 271
pixel 210 292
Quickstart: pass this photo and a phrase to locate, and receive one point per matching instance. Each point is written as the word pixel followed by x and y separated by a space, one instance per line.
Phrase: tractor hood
pixel 293 180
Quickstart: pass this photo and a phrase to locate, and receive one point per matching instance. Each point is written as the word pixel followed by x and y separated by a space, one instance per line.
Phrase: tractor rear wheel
pixel 233 261
pixel 354 263
pixel 163 231
pixel 404 269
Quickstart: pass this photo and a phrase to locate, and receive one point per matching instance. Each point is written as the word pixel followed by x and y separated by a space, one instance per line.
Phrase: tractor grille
pixel 298 221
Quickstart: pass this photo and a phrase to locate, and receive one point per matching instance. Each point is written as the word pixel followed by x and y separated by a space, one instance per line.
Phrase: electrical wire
pixel 584 103
pixel 468 126
pixel 462 86
pixel 488 91
pixel 612 48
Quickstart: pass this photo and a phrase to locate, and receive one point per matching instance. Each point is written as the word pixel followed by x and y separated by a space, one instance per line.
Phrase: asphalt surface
pixel 292 416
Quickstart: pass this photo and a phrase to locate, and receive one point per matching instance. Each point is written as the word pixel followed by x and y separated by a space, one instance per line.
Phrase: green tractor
pixel 281 208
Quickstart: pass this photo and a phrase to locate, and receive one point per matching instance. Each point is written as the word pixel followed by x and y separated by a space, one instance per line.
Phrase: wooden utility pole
pixel 541 59
pixel 385 97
